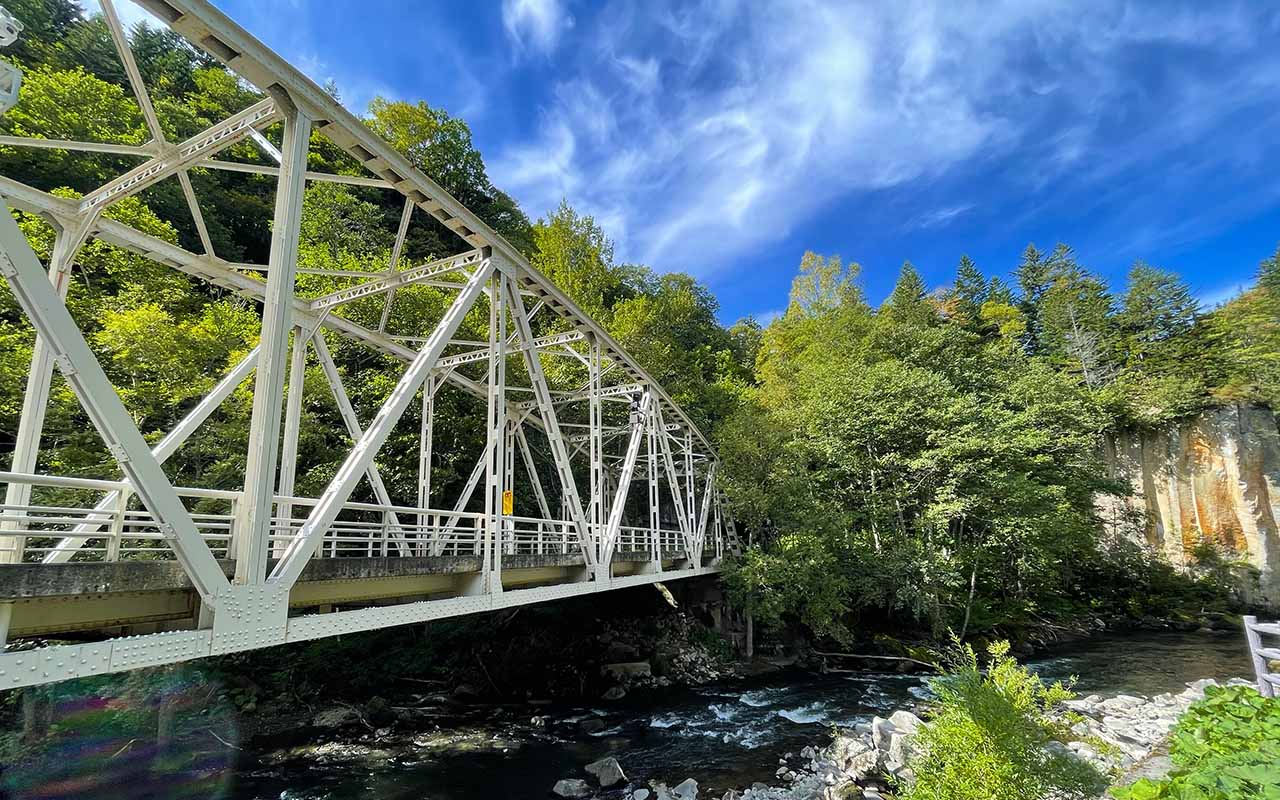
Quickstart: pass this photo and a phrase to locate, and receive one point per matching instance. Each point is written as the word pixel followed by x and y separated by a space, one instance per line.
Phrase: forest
pixel 933 459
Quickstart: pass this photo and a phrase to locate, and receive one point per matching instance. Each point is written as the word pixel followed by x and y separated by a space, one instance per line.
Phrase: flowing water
pixel 726 736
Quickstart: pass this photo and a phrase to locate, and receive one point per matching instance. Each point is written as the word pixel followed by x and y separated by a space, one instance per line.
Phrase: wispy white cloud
pixel 939 217
pixel 719 127
pixel 535 25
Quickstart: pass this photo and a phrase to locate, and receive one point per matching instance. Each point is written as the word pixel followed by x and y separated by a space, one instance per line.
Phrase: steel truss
pixel 633 429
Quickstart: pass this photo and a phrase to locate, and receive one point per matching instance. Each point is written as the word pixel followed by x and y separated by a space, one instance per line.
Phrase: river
pixel 726 735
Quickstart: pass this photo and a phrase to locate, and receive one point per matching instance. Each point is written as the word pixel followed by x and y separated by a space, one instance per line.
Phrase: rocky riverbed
pixel 727 735
pixel 1121 735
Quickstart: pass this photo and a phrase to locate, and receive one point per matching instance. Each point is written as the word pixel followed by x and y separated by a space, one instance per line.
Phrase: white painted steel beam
pixel 511 277
pixel 254 512
pixel 638 431
pixel 673 483
pixel 74 146
pixel 42 305
pixel 307 539
pixel 395 260
pixel 35 400
pixel 264 169
pixel 187 154
pixel 496 485
pixel 482 354
pixel 389 283
pixel 292 430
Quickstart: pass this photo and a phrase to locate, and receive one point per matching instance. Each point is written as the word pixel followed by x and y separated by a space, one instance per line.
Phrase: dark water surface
pixel 725 736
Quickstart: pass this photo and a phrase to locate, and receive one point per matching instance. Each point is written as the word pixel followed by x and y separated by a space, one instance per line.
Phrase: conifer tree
pixel 970 292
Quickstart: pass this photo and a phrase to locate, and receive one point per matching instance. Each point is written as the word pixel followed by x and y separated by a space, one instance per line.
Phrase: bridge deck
pixel 141 596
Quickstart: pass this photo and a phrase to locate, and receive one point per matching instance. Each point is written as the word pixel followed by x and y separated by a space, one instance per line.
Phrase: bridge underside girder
pixel 222 569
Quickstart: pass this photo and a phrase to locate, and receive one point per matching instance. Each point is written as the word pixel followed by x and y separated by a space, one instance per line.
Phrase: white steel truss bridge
pixel 629 497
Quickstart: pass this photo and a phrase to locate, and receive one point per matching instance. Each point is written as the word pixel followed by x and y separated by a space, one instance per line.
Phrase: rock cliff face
pixel 1215 478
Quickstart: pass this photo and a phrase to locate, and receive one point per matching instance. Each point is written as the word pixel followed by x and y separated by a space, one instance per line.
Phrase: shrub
pixel 990 736
pixel 1226 747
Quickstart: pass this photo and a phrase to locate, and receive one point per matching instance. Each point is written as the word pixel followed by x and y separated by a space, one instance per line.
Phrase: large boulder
pixel 881 730
pixel 905 722
pixel 607 771
pixel 571 788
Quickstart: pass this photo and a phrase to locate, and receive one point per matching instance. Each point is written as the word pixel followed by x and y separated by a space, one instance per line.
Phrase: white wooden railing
pixel 1262 655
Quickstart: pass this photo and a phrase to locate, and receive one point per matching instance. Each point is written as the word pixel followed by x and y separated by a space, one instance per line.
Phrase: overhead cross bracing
pixel 622 483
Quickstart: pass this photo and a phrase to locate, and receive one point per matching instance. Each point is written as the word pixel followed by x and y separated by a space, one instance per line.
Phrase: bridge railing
pixel 85 519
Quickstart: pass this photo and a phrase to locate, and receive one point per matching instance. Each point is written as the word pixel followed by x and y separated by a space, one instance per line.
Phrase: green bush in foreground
pixel 1226 747
pixel 989 736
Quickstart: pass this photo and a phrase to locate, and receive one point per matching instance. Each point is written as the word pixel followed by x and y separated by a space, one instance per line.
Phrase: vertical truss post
pixel 424 455
pixel 509 480
pixel 673 483
pixel 690 489
pixel 718 529
pixel 35 401
pixel 619 503
pixel 253 517
pixel 496 433
pixel 551 422
pixel 655 499
pixel 596 448
pixel 292 427
pixel 700 538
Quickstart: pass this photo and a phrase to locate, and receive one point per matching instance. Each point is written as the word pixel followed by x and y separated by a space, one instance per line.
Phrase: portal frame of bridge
pixel 269 544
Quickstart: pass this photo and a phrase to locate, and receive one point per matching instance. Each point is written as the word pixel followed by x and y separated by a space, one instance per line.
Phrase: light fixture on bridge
pixel 10 75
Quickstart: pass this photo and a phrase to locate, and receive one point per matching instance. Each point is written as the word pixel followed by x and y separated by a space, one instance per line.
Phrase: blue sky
pixel 725 138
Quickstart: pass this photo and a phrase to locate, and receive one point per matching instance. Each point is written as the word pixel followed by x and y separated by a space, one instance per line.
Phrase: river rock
pixel 901 748
pixel 465 691
pixel 378 711
pixel 608 771
pixel 905 722
pixel 572 788
pixel 628 669
pixel 640 794
pixel 335 717
pixel 614 693
pixel 881 730
pixel 591 725
pixel 686 789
